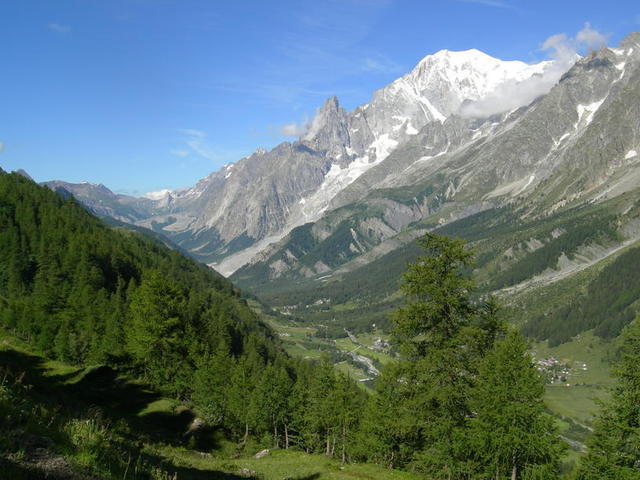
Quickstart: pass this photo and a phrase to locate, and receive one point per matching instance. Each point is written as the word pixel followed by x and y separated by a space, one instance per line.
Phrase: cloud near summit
pixel 511 95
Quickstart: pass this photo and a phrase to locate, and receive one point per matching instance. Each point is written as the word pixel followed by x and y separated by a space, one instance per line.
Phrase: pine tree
pixel 509 432
pixel 322 408
pixel 614 448
pixel 270 403
pixel 389 433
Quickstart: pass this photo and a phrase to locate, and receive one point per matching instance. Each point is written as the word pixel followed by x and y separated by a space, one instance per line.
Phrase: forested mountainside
pixel 84 293
pixel 69 282
pixel 585 252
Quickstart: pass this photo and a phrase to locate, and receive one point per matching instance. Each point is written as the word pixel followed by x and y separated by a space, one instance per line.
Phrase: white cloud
pixel 195 142
pixel 591 38
pixel 180 153
pixel 293 129
pixel 510 95
pixel 1 147
pixel 198 146
pixel 59 28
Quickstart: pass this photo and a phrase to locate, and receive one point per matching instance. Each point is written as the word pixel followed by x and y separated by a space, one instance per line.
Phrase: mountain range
pixel 463 137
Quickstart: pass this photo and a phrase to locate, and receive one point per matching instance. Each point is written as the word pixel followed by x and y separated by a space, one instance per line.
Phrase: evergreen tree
pixel 439 336
pixel 510 435
pixel 211 385
pixel 389 433
pixel 156 331
pixel 437 290
pixel 269 403
pixel 614 448
pixel 322 408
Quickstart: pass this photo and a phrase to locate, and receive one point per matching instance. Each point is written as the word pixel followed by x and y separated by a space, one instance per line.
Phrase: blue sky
pixel 148 94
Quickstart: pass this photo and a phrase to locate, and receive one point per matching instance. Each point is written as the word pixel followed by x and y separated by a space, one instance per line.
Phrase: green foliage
pixel 509 431
pixel 608 303
pixel 582 231
pixel 90 440
pixel 73 287
pixel 437 293
pixel 82 292
pixel 458 404
pixel 614 448
pixel 156 329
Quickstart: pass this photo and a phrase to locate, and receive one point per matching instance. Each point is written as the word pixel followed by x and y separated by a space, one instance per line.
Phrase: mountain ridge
pixel 295 183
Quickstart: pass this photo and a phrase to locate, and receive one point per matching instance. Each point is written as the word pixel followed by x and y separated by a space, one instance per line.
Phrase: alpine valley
pixel 374 268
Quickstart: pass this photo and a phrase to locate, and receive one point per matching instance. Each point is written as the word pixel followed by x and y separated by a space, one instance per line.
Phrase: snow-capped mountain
pixel 489 130
pixel 576 145
pixel 234 213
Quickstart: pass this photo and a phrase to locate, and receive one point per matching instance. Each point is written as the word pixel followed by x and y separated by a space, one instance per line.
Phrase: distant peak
pixel 24 174
pixel 331 104
pixel 326 115
pixel 631 40
pixel 457 55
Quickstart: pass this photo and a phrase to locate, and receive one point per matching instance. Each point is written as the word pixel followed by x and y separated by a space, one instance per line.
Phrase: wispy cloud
pixel 563 50
pixel 59 28
pixel 197 147
pixel 380 65
pixel 192 132
pixel 195 143
pixel 487 3
pixel 293 129
pixel 180 153
pixel 2 147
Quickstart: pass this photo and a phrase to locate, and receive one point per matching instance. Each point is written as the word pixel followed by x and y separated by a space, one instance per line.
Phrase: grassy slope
pixel 156 426
pixel 285 464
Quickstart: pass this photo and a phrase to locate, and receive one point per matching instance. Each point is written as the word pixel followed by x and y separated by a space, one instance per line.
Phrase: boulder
pixel 262 453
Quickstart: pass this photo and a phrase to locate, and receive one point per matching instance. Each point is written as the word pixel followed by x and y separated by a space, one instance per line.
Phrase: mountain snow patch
pixel 589 110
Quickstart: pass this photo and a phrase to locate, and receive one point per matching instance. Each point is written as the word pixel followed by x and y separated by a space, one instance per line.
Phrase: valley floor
pixel 580 367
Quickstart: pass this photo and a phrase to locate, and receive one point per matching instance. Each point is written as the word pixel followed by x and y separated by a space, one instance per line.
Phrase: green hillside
pixel 511 249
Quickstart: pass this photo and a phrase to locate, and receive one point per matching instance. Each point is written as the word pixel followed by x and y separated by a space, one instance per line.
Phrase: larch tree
pixel 510 434
pixel 437 334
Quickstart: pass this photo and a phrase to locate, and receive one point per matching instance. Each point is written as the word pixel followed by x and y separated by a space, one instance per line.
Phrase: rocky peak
pixel 24 174
pixel 329 129
pixel 631 41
